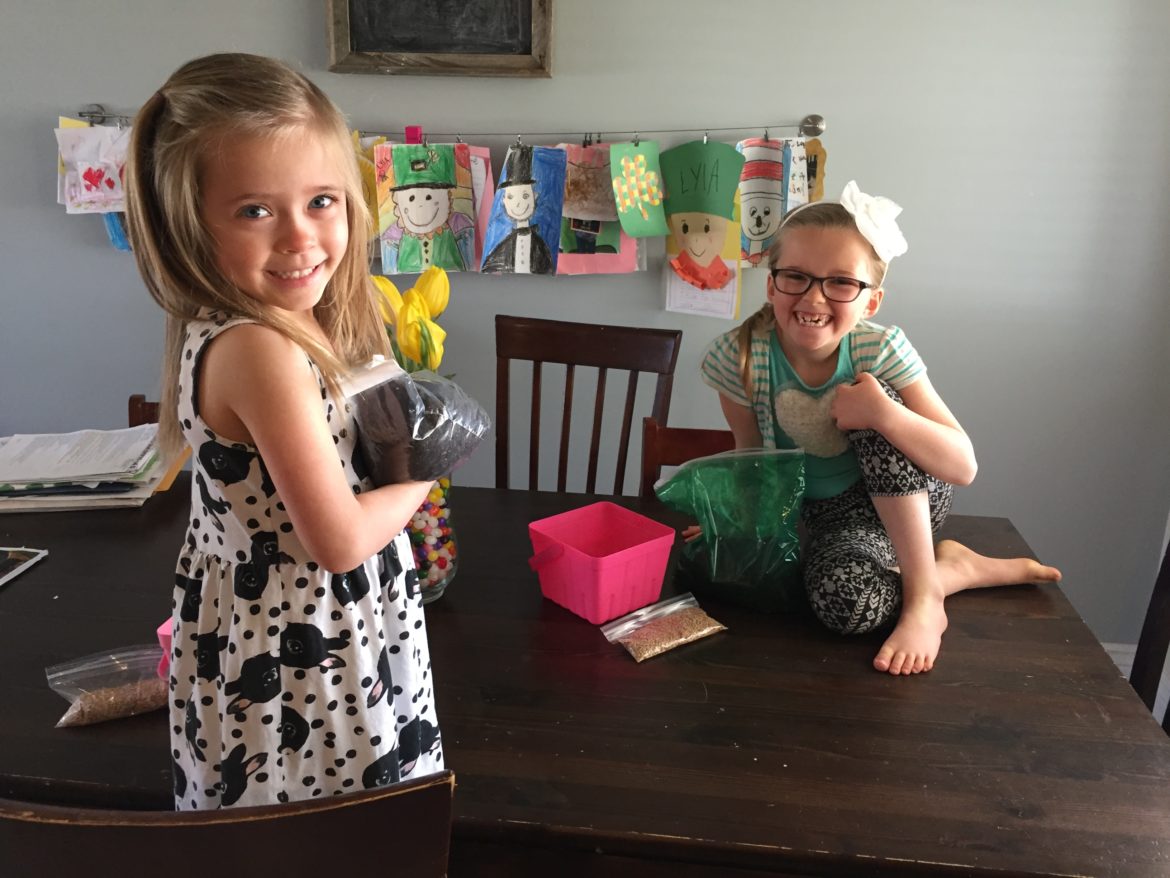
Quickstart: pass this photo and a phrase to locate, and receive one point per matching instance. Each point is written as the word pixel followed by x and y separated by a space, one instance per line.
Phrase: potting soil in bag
pixel 748 504
pixel 412 427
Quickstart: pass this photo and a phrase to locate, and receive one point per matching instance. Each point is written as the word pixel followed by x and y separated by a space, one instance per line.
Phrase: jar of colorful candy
pixel 433 540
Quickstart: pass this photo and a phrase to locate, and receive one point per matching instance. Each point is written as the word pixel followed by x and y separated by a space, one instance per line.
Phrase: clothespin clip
pixel 587 140
pixel 705 133
pixel 458 138
pixel 598 137
pixel 637 138
pixel 766 135
pixel 518 142
pixel 414 134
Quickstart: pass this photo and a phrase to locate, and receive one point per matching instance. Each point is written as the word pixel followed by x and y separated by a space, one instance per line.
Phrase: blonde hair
pixel 202 103
pixel 820 215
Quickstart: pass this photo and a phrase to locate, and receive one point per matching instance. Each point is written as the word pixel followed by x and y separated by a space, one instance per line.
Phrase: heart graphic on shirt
pixel 807 422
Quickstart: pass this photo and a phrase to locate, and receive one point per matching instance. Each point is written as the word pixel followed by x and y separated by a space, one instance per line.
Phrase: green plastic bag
pixel 748 503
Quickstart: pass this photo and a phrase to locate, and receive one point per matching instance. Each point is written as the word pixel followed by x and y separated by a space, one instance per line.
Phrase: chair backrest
pixel 403 829
pixel 670 446
pixel 141 412
pixel 580 344
pixel 1150 656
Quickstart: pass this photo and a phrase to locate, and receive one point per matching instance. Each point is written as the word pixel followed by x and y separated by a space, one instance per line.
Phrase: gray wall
pixel 1026 141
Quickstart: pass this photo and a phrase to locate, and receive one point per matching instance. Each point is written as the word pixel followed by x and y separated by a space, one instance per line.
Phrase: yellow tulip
pixel 419 338
pixel 435 289
pixel 390 301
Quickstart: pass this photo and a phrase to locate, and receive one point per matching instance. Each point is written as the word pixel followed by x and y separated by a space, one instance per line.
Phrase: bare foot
pixel 961 568
pixel 914 644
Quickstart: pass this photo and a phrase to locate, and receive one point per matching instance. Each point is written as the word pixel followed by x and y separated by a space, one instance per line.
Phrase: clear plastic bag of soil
pixel 412 426
pixel 109 685
pixel 747 502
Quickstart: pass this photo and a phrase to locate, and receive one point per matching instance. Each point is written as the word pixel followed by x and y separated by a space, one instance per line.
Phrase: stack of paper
pixel 83 470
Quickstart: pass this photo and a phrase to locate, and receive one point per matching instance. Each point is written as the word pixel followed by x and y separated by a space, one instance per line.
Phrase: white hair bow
pixel 876 220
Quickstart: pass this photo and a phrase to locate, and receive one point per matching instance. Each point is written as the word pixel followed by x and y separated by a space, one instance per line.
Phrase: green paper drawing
pixel 637 188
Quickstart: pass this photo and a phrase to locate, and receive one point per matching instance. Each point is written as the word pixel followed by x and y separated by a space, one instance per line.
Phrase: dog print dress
pixel 287 681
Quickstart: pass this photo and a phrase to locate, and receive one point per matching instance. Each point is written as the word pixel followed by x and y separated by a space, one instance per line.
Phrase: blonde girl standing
pixel 300 665
pixel 882 450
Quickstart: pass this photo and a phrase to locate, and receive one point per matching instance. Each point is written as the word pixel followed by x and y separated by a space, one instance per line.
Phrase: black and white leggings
pixel 847 556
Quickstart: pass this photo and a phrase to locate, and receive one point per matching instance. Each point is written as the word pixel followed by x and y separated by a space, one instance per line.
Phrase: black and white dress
pixel 287 681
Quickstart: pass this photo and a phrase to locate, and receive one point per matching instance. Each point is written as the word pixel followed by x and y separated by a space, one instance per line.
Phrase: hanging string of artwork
pixel 557 209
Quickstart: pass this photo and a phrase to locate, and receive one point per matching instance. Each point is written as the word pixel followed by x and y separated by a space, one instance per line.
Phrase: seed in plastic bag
pixel 667 632
pixel 115 702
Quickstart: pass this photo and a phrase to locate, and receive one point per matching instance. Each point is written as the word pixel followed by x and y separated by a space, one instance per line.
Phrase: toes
pixel 881 661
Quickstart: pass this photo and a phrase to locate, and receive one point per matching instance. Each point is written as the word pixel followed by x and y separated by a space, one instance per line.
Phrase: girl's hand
pixel 691 533
pixel 860 405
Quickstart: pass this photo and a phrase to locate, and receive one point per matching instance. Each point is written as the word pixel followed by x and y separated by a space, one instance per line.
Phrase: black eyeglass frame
pixel 862 285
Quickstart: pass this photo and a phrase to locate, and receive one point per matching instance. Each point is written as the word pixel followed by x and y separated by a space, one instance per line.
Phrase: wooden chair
pixel 580 344
pixel 1150 656
pixel 403 829
pixel 670 446
pixel 142 412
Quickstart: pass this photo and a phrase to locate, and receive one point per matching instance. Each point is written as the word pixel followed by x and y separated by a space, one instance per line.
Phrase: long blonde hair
pixel 821 215
pixel 204 101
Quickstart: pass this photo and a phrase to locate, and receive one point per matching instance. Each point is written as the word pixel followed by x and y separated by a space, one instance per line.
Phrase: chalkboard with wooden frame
pixel 441 37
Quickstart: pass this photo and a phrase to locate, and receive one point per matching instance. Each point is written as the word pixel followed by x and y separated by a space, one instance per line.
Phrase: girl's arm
pixel 257 386
pixel 923 428
pixel 742 421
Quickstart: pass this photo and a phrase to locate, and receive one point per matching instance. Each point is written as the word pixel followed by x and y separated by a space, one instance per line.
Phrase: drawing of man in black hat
pixel 522 251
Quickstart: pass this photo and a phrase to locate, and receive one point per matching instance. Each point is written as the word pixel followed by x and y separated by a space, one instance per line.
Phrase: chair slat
pixel 595 436
pixel 1150 656
pixel 566 418
pixel 619 477
pixel 534 429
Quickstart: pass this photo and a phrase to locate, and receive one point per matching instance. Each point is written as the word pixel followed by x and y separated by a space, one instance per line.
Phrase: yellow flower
pixel 419 338
pixel 435 289
pixel 390 301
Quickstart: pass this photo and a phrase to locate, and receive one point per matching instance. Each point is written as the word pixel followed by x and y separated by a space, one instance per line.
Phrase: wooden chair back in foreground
pixel 1150 656
pixel 141 412
pixel 403 829
pixel 580 344
pixel 671 446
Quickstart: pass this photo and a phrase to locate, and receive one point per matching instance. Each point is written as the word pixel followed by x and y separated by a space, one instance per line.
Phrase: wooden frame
pixel 343 58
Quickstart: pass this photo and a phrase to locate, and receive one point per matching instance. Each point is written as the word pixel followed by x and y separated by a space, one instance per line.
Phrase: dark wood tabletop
pixel 771 748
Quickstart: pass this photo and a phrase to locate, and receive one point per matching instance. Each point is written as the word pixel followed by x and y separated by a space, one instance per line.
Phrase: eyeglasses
pixel 836 289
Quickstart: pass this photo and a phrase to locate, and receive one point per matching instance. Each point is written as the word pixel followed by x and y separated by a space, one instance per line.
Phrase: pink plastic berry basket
pixel 600 561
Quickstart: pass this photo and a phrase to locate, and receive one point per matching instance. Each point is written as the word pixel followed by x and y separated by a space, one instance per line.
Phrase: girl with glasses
pixel 882 450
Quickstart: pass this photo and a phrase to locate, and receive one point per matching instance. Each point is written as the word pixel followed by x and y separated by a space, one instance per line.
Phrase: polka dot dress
pixel 287 681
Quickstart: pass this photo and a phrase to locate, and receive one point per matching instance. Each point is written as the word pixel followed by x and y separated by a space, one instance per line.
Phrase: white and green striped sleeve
pixel 720 368
pixel 887 354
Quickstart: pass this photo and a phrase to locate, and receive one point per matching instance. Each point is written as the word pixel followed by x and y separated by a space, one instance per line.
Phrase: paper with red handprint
pixel 637 188
pixel 93 159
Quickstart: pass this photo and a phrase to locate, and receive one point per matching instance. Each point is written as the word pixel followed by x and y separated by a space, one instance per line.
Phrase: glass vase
pixel 433 539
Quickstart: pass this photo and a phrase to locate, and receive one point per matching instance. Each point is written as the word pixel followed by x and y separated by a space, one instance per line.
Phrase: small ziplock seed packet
pixel 656 628
pixel 109 685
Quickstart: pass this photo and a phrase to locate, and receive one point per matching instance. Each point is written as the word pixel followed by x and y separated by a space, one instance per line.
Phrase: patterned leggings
pixel 848 556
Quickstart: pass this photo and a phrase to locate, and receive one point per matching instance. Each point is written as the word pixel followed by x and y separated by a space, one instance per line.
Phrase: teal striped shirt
pixel 883 351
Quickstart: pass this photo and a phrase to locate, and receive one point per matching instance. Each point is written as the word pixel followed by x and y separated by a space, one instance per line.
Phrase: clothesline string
pixel 810 126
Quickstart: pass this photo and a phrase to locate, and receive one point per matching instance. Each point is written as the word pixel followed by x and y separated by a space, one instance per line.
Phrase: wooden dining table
pixel 771 748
